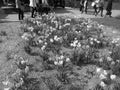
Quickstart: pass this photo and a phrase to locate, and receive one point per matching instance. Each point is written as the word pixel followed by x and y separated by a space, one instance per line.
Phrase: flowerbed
pixel 75 52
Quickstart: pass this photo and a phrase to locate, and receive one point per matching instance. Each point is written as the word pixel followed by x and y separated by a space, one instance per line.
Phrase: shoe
pixel 101 15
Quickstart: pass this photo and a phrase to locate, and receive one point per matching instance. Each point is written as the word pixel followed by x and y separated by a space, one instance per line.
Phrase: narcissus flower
pixel 113 77
pixel 7 88
pixel 51 40
pixel 102 76
pixel 109 59
pixel 102 84
pixel 98 70
pixel 67 59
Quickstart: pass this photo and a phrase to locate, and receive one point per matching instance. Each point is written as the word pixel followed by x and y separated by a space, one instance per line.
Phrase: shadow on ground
pixel 62 10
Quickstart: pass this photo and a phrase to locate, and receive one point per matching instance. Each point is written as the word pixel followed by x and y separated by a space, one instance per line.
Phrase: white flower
pixel 98 41
pixel 102 84
pixel 118 61
pixel 73 44
pixel 61 62
pixel 76 41
pixel 98 70
pixel 26 69
pixel 91 43
pixel 87 46
pixel 56 38
pixel 101 60
pixel 61 57
pixel 105 72
pixel 45 43
pixel 109 59
pixel 102 76
pixel 6 82
pixel 67 59
pixel 30 28
pixel 112 62
pixel 95 39
pixel 43 47
pixel 40 41
pixel 23 62
pixel 91 38
pixel 60 27
pixel 112 77
pixel 55 62
pixel 51 40
pixel 89 26
pixel 7 88
pixel 67 24
pixel 79 45
pixel 110 52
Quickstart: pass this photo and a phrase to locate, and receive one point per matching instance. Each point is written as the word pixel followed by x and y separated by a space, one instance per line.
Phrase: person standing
pixel 20 9
pixel 109 8
pixel 82 6
pixel 33 5
pixel 85 5
pixel 95 6
pixel 101 7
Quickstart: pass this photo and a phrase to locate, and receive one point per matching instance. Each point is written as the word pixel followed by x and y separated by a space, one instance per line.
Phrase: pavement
pixel 67 11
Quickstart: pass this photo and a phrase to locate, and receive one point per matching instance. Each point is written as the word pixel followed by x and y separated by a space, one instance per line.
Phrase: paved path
pixel 67 11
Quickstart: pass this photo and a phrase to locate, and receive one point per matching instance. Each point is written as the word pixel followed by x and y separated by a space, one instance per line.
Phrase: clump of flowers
pixel 18 78
pixel 106 77
pixel 81 41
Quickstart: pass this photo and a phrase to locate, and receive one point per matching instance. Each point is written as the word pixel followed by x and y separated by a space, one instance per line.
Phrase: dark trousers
pixel 33 10
pixel 100 10
pixel 95 9
pixel 20 14
pixel 81 8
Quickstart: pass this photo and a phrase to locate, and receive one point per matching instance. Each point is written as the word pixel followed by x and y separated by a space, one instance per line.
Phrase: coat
pixel 18 3
pixel 44 2
pixel 109 5
pixel 33 3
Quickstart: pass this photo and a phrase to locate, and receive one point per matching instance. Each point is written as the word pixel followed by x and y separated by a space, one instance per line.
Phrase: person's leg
pixel 32 12
pixel 82 9
pixel 19 13
pixel 95 10
pixel 22 14
pixel 101 11
pixel 86 7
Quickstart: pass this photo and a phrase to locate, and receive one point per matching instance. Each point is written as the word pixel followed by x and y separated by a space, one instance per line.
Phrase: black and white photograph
pixel 59 44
